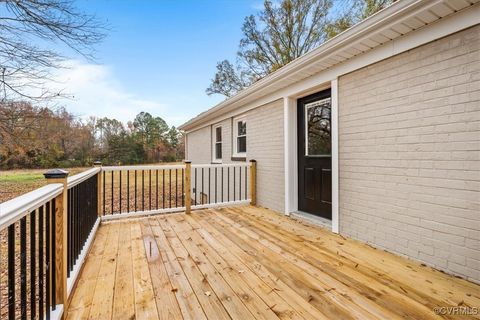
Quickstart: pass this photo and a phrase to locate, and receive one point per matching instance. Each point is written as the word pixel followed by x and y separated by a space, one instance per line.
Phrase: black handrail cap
pixel 55 173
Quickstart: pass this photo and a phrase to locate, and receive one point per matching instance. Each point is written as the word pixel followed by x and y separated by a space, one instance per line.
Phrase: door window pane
pixel 317 124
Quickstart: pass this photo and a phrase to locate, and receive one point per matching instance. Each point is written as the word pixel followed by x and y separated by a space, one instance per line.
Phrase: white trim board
pixel 291 155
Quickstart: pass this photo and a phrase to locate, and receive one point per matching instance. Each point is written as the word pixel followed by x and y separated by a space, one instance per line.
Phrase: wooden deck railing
pixel 46 234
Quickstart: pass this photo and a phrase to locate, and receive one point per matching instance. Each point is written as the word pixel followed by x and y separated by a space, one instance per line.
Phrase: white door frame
pixel 291 151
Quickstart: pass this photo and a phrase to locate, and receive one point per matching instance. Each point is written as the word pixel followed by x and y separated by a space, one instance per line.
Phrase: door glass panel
pixel 317 123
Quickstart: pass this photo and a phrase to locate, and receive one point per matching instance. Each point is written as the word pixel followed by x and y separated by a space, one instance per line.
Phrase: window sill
pixel 239 158
pixel 216 162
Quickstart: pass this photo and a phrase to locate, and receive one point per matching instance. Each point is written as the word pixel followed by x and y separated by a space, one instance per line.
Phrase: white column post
pixel 335 167
pixel 290 154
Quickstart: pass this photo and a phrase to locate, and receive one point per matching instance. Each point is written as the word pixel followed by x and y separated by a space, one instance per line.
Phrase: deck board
pixel 252 263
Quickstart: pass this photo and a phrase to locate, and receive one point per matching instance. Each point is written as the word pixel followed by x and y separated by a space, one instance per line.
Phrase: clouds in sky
pixel 94 91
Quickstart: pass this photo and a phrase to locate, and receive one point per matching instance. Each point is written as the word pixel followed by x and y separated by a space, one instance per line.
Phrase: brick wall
pixel 199 148
pixel 264 144
pixel 409 139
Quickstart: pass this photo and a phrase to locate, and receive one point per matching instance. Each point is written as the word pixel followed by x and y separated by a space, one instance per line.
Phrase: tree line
pixel 42 137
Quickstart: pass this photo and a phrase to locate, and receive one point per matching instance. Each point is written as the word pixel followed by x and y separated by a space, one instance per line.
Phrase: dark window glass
pixel 218 150
pixel 241 137
pixel 241 144
pixel 218 134
pixel 242 128
pixel 318 128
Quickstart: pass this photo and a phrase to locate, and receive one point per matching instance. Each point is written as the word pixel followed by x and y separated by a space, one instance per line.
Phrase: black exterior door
pixel 314 154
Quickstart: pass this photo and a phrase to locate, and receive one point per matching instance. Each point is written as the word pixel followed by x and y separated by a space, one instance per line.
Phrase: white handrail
pixel 220 165
pixel 145 167
pixel 15 209
pixel 78 178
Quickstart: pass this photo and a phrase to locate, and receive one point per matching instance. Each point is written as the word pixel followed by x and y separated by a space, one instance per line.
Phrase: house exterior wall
pixel 199 149
pixel 409 154
pixel 264 144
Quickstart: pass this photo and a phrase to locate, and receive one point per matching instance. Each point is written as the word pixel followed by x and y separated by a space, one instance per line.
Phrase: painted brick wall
pixel 199 143
pixel 264 144
pixel 409 139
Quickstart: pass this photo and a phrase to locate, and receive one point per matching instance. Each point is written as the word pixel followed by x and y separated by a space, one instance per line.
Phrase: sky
pixel 158 56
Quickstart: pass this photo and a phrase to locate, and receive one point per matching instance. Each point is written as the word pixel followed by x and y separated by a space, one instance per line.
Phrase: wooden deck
pixel 252 263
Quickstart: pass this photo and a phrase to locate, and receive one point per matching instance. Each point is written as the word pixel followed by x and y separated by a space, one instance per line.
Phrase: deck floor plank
pixel 252 263
pixel 102 302
pixel 315 262
pixel 124 302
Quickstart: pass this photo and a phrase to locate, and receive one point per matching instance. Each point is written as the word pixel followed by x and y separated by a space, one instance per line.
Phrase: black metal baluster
pixel 143 190
pixel 176 188
pixel 48 265
pixel 228 184
pixel 209 184
pixel 156 188
pixel 104 188
pixel 150 189
pixel 128 190
pixel 216 184
pixel 77 221
pixel 233 183
pixel 163 188
pixel 170 187
pixel 120 191
pixel 53 255
pixel 23 267
pixel 135 190
pixel 33 266
pixel 41 275
pixel 11 272
pixel 202 194
pixel 69 234
pixel 112 193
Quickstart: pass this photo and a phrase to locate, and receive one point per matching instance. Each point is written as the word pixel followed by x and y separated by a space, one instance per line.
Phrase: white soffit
pixel 395 21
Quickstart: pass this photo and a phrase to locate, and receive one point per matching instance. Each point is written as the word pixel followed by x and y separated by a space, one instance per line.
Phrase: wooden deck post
pixel 61 229
pixel 253 182
pixel 188 187
pixel 99 187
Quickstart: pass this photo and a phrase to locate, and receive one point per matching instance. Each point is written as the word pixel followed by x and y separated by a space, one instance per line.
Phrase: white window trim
pixel 235 136
pixel 214 142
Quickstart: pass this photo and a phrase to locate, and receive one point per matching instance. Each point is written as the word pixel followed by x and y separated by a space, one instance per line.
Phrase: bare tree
pixel 283 31
pixel 280 33
pixel 28 28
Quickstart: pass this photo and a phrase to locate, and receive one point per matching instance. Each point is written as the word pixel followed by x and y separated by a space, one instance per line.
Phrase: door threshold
pixel 316 220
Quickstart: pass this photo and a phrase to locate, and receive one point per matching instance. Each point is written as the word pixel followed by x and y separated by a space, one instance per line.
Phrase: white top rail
pixel 15 209
pixel 222 165
pixel 79 178
pixel 145 167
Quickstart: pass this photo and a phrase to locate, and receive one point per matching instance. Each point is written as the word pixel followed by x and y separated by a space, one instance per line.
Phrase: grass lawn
pixel 17 182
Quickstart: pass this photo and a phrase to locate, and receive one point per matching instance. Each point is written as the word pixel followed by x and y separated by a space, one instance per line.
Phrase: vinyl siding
pixel 409 154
